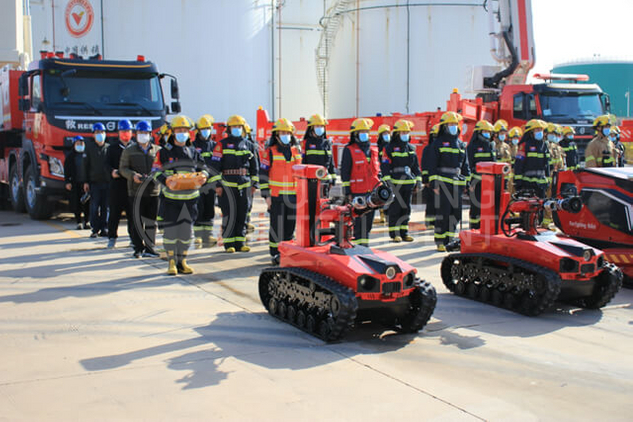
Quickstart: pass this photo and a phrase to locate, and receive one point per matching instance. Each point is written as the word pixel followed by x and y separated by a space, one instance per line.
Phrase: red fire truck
pixel 58 98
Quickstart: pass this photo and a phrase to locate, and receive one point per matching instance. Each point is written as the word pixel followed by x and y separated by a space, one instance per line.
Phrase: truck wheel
pixel 36 203
pixel 16 193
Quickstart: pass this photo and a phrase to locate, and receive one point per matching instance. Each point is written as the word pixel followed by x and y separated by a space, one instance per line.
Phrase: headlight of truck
pixel 55 166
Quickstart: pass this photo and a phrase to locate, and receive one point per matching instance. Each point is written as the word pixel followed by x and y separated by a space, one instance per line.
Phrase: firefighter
pixel 569 148
pixel 360 174
pixel 400 169
pixel 448 176
pixel 514 136
pixel 118 201
pixel 601 152
pixel 97 178
pixel 428 195
pixel 531 166
pixel 553 132
pixel 136 164
pixel 278 186
pixel 479 149
pixel 235 172
pixel 179 206
pixel 500 136
pixel 384 136
pixel 619 146
pixel 75 182
pixel 254 147
pixel 317 149
pixel 163 135
pixel 203 226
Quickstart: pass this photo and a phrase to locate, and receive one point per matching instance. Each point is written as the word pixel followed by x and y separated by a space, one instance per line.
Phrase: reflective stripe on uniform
pixel 448 180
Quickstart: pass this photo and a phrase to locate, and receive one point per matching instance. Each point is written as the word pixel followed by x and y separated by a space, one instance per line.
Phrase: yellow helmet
pixel 483 125
pixel 603 120
pixel 165 129
pixel 383 128
pixel 247 128
pixel 236 120
pixel 316 120
pixel 283 125
pixel 515 132
pixel 535 124
pixel 435 129
pixel 361 124
pixel 181 121
pixel 568 130
pixel 205 122
pixel 553 128
pixel 500 125
pixel 450 117
pixel 615 130
pixel 403 126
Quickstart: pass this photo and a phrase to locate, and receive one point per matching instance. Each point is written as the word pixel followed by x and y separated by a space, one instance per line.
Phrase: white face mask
pixel 80 148
pixel 502 137
pixel 142 138
pixel 100 137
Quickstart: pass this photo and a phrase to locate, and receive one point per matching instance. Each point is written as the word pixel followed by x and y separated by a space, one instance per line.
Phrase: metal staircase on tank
pixel 330 22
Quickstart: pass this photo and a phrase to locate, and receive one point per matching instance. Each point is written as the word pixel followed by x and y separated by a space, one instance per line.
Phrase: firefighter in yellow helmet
pixel 569 148
pixel 163 135
pixel 601 152
pixel 400 169
pixel 204 144
pixel 180 203
pixel 235 172
pixel 317 149
pixel 428 196
pixel 448 176
pixel 514 136
pixel 531 165
pixel 384 136
pixel 553 133
pixel 619 147
pixel 360 173
pixel 278 185
pixel 254 147
pixel 479 149
pixel 500 137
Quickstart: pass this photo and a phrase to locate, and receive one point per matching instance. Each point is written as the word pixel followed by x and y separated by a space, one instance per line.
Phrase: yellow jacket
pixel 600 152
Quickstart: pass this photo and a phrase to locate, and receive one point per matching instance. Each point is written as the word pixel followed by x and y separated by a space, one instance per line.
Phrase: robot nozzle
pixel 571 205
pixel 377 198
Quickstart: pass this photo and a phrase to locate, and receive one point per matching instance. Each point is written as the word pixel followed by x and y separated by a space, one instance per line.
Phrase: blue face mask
pixel 285 139
pixel 485 135
pixel 452 130
pixel 502 138
pixel 205 133
pixel 612 138
pixel 182 137
pixel 404 137
pixel 319 130
pixel 538 136
pixel 80 148
pixel 570 137
pixel 363 137
pixel 386 137
pixel 100 137
pixel 236 131
pixel 515 141
pixel 606 131
pixel 551 137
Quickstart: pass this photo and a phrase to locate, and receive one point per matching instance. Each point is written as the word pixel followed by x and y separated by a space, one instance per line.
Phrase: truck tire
pixel 36 204
pixel 16 192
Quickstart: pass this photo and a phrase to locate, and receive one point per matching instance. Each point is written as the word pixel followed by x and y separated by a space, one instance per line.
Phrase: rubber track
pixel 517 301
pixel 608 283
pixel 337 326
pixel 423 300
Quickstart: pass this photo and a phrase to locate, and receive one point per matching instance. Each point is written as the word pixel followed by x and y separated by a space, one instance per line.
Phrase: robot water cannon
pixel 570 204
pixel 378 198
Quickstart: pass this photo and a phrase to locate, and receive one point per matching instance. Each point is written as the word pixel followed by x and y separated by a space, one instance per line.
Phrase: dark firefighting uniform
pixel 571 153
pixel 317 150
pixel 235 170
pixel 254 147
pixel 449 173
pixel 276 180
pixel 428 196
pixel 118 195
pixel 531 165
pixel 360 173
pixel 72 174
pixel 479 149
pixel 179 207
pixel 400 168
pixel 203 226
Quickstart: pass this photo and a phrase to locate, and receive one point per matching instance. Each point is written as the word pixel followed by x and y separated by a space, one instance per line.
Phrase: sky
pixel 569 30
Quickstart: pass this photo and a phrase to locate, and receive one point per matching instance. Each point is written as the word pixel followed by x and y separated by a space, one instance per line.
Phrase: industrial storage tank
pixel 615 77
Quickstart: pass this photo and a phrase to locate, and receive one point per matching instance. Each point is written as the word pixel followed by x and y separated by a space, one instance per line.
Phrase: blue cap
pixel 124 125
pixel 143 126
pixel 98 126
pixel 79 138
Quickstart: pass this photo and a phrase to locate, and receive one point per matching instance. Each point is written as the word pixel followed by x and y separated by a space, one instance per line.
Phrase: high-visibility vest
pixel 280 178
pixel 365 170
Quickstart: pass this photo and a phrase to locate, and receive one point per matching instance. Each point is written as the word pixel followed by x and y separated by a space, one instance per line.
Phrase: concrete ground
pixel 93 334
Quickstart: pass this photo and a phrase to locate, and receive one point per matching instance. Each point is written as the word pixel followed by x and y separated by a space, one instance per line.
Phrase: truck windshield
pixel 571 106
pixel 103 90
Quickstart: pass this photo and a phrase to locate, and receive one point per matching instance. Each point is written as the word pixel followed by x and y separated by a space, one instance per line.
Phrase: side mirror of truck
pixel 175 92
pixel 23 85
pixel 175 107
pixel 607 103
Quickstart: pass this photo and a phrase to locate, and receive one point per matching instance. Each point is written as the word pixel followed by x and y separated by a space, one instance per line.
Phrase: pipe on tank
pixel 493 81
